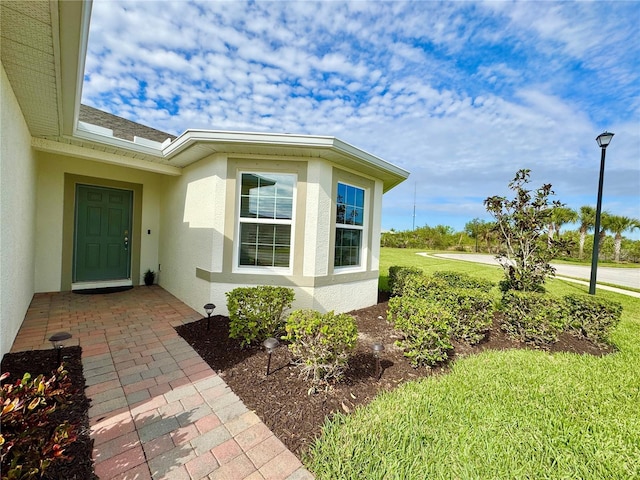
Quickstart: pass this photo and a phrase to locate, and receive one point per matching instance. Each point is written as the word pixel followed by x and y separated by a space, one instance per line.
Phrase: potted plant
pixel 149 277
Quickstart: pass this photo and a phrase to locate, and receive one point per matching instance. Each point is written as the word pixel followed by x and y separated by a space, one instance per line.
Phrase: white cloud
pixel 461 94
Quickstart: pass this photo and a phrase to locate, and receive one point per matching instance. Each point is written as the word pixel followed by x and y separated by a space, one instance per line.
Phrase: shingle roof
pixel 122 128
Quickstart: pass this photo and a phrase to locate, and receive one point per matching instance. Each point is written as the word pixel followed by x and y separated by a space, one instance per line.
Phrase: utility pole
pixel 414 205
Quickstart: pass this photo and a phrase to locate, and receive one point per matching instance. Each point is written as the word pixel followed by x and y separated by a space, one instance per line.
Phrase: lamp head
pixel 377 348
pixel 58 339
pixel 209 308
pixel 271 344
pixel 604 139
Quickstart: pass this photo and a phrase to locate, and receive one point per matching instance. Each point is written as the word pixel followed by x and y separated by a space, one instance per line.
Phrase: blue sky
pixel 461 94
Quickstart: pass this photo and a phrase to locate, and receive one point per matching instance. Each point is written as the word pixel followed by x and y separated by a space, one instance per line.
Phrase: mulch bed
pixel 36 362
pixel 291 408
pixel 284 401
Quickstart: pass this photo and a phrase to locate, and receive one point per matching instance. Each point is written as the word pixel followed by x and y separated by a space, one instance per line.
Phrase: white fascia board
pixel 72 20
pixel 190 137
pixel 51 146
pixel 350 150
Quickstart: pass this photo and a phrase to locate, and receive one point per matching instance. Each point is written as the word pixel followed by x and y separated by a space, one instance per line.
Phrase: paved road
pixel 626 277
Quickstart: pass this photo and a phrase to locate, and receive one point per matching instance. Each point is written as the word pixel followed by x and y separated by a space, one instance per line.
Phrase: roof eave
pixel 328 147
pixel 74 19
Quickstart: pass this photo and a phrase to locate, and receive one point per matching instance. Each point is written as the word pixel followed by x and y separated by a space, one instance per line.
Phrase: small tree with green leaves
pixel 522 221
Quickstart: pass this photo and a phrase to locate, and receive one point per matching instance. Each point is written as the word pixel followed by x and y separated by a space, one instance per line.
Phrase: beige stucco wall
pixel 199 227
pixel 51 207
pixel 192 229
pixel 17 215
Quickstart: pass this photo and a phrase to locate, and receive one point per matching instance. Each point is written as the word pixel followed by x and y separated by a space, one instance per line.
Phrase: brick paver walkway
pixel 158 411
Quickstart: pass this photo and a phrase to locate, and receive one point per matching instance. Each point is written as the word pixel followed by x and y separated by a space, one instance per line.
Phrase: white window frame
pixel 263 270
pixel 362 228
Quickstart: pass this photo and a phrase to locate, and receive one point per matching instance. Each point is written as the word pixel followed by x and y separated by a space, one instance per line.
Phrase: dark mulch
pixel 285 402
pixel 282 400
pixel 36 362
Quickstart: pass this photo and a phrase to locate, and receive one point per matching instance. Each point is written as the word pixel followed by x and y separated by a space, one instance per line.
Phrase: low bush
pixel 30 441
pixel 425 327
pixel 424 286
pixel 472 312
pixel 398 276
pixel 592 317
pixel 462 280
pixel 257 313
pixel 321 343
pixel 532 317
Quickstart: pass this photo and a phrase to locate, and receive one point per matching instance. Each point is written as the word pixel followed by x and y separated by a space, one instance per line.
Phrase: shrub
pixel 424 286
pixel 321 343
pixel 30 441
pixel 398 276
pixel 256 313
pixel 462 280
pixel 592 317
pixel 472 313
pixel 532 317
pixel 425 327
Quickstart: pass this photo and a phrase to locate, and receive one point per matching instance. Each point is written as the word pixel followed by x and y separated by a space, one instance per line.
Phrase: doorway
pixel 102 236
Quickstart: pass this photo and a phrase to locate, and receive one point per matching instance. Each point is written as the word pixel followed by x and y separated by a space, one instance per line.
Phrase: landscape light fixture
pixel 209 307
pixel 604 139
pixel 57 340
pixel 270 344
pixel 377 348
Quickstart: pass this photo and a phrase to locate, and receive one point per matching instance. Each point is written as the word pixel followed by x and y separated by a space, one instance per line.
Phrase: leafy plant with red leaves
pixel 31 440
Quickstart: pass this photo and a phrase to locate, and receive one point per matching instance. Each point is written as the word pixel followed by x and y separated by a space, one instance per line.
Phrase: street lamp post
pixel 603 142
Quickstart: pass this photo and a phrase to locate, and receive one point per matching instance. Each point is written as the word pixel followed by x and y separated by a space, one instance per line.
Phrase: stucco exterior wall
pixel 17 216
pixel 318 219
pixel 340 299
pixel 51 207
pixel 192 232
pixel 199 230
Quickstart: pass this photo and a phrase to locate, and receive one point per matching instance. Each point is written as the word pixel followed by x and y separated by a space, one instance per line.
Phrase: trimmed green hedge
pixel 472 312
pixel 398 276
pixel 592 317
pixel 532 317
pixel 423 286
pixel 462 280
pixel 425 327
pixel 256 313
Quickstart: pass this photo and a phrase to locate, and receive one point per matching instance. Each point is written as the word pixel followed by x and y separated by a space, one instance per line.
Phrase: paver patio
pixel 158 411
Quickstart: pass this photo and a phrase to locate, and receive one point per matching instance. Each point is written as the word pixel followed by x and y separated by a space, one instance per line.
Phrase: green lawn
pixel 513 414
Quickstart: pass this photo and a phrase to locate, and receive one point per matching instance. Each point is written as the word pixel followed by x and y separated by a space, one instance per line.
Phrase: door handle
pixel 126 243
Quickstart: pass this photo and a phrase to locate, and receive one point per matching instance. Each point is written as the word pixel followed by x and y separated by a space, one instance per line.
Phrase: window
pixel 266 218
pixel 349 225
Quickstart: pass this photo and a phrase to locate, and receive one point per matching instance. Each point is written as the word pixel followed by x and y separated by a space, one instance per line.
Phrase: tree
pixel 472 229
pixel 617 224
pixel 488 233
pixel 587 219
pixel 559 217
pixel 521 222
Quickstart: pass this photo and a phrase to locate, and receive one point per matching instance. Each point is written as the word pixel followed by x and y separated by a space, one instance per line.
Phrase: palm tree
pixel 559 217
pixel 487 232
pixel 617 224
pixel 587 219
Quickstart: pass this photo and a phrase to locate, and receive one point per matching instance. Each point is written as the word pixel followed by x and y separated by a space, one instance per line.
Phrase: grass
pixel 512 414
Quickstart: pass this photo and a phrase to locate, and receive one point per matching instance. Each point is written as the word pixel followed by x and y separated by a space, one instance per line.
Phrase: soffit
pixel 27 50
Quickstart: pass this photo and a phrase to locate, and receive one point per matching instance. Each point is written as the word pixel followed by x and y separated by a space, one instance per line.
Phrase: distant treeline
pixel 482 236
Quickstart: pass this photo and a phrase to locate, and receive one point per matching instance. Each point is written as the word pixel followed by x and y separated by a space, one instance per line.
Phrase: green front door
pixel 102 234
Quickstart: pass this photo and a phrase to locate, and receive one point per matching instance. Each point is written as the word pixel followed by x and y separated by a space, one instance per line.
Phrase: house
pixel 91 200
